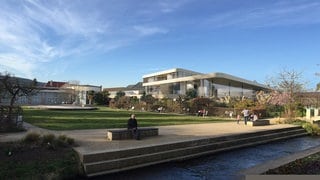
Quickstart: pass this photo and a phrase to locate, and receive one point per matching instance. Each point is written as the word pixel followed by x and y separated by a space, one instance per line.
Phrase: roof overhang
pixel 169 71
pixel 217 78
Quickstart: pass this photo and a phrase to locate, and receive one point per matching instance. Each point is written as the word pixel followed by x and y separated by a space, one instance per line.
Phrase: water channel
pixel 221 166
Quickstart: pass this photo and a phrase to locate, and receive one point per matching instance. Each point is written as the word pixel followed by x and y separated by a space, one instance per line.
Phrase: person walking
pixel 132 125
pixel 245 113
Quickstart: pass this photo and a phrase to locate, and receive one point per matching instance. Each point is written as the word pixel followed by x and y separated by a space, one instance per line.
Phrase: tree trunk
pixel 10 119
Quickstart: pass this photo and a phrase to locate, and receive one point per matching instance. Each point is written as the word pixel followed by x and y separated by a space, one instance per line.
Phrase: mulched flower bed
pixel 25 161
pixel 306 166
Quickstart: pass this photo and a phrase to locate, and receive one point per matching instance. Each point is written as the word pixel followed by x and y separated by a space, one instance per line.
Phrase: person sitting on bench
pixel 133 127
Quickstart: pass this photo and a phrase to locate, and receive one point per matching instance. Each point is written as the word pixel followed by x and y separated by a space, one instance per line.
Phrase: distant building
pixel 50 93
pixel 82 92
pixel 135 90
pixel 54 92
pixel 311 103
pixel 309 99
pixel 174 82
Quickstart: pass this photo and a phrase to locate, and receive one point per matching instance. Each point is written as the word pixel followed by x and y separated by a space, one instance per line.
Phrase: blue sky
pixel 115 42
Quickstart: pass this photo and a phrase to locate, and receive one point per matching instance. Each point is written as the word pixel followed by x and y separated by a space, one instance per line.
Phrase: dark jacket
pixel 132 123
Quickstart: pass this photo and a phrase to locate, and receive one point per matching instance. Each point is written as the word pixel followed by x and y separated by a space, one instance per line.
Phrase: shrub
pixel 64 141
pixel 63 163
pixel 70 141
pixel 49 140
pixel 62 138
pixel 60 142
pixel 312 129
pixel 32 137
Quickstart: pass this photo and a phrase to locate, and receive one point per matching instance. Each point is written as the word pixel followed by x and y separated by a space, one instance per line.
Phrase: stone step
pixel 180 153
pixel 120 153
pixel 174 155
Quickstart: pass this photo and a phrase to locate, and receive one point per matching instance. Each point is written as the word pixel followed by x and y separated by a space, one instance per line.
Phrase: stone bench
pixel 120 134
pixel 259 122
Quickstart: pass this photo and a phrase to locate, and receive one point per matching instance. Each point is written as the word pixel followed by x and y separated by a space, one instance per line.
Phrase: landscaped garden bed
pixel 39 157
pixel 304 166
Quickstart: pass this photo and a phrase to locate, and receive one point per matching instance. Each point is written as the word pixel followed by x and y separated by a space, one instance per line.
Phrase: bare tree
pixel 287 85
pixel 13 88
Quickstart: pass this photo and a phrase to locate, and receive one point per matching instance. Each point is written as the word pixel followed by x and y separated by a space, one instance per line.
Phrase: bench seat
pixel 259 122
pixel 120 134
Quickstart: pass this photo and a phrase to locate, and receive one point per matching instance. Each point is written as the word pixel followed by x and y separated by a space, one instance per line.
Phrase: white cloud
pixel 16 63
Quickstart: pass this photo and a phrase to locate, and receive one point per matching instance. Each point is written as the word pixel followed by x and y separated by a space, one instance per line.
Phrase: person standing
pixel 238 118
pixel 255 117
pixel 245 113
pixel 133 126
pixel 230 114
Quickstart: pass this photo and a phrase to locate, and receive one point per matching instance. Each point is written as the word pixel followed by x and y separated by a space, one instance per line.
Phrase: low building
pixel 54 92
pixel 135 90
pixel 174 82
pixel 311 102
pixel 83 94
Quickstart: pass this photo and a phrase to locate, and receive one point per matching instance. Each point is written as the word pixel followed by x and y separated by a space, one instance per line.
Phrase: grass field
pixel 105 118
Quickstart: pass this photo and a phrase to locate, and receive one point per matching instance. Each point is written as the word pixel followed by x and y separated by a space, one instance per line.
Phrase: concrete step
pixel 120 153
pixel 162 157
pixel 186 151
pixel 130 158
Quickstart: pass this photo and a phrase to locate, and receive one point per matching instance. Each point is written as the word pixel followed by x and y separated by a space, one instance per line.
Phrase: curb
pixel 272 164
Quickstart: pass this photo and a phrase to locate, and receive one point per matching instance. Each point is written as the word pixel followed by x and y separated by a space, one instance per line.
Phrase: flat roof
pixel 168 71
pixel 218 78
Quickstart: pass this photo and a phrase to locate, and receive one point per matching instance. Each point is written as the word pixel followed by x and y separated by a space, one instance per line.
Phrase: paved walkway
pixel 94 140
pixel 91 141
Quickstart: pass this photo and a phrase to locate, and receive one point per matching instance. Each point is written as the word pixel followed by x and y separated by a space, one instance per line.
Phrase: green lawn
pixel 105 118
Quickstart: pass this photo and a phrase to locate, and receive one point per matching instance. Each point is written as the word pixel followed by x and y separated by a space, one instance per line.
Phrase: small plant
pixel 61 141
pixel 32 137
pixel 70 141
pixel 64 141
pixel 48 138
pixel 49 141
pixel 62 137
pixel 8 152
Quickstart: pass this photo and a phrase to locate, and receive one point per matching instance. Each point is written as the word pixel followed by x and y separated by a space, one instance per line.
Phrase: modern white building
pixel 174 82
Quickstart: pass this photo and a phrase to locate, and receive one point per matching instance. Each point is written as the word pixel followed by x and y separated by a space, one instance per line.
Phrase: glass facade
pixel 205 86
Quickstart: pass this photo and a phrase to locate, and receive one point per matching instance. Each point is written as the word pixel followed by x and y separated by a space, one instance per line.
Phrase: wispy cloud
pixel 21 45
pixel 65 20
pixel 15 62
pixel 147 31
pixel 168 6
pixel 283 13
pixel 34 32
